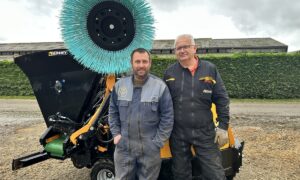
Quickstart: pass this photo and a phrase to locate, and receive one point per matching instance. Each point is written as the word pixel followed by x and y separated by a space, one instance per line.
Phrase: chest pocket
pixel 174 87
pixel 150 111
pixel 154 103
pixel 123 106
pixel 206 85
pixel 150 107
pixel 123 103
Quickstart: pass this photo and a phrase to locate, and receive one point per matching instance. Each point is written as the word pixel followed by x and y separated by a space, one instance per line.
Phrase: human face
pixel 141 65
pixel 184 49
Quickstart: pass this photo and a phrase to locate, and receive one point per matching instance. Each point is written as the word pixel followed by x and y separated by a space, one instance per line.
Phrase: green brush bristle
pixel 73 22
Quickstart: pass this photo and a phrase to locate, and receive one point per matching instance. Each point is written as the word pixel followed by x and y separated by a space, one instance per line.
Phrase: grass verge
pixel 17 97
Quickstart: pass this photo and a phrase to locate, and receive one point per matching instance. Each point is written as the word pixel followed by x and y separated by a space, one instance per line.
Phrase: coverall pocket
pixel 120 145
pixel 152 146
pixel 123 107
pixel 206 90
pixel 123 103
pixel 154 106
pixel 205 96
pixel 206 134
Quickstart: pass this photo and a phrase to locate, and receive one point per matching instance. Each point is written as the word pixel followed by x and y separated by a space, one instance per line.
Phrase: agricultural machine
pixel 72 86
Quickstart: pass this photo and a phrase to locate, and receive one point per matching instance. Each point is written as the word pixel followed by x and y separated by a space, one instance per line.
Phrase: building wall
pixel 11 55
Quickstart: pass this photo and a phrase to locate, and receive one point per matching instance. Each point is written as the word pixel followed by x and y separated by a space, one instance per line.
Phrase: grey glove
pixel 221 137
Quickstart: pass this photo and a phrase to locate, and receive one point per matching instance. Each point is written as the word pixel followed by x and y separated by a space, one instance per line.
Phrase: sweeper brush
pixel 101 34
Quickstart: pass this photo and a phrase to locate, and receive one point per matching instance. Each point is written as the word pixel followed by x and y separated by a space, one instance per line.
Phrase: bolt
pixel 109 175
pixel 111 26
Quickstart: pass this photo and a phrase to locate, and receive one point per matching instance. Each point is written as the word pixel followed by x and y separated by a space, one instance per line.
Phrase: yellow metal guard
pixel 110 82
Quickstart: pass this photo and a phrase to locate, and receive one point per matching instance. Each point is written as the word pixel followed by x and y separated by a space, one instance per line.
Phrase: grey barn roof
pixel 158 44
pixel 224 43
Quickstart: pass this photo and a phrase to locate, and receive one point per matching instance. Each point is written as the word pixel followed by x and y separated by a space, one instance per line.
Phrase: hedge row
pixel 263 76
pixel 13 81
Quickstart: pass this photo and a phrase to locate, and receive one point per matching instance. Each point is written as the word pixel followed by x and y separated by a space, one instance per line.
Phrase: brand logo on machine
pixel 57 53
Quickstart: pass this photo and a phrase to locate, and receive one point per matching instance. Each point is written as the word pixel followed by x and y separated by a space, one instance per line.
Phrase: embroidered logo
pixel 170 79
pixel 206 91
pixel 122 92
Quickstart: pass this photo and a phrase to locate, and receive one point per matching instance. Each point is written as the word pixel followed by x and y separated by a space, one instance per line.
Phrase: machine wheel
pixel 230 177
pixel 103 170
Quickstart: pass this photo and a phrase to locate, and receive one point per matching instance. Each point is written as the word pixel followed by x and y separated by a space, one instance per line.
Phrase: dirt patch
pixel 271 132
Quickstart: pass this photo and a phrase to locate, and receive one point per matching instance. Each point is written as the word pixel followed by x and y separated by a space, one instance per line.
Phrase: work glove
pixel 221 137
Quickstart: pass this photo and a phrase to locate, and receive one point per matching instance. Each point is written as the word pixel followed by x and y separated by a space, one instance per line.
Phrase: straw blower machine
pixel 72 86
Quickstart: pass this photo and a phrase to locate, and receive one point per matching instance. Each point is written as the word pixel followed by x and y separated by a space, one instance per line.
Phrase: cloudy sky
pixel 38 20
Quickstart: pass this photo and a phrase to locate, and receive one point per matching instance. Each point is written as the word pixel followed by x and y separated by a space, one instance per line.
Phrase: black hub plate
pixel 111 25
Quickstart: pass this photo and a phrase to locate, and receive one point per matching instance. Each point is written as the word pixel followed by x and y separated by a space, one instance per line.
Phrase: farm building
pixel 205 45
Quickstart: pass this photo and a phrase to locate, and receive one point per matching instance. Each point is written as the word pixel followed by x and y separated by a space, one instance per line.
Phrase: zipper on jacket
pixel 129 150
pixel 129 120
pixel 182 86
pixel 139 127
pixel 139 124
pixel 192 105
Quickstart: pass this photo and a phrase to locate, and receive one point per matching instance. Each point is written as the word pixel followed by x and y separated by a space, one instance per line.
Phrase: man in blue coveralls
pixel 140 119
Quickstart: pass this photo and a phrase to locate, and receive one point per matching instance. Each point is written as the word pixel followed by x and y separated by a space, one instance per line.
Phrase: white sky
pixel 38 20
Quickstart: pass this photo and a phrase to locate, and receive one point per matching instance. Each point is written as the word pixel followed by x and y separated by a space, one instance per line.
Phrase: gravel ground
pixel 271 132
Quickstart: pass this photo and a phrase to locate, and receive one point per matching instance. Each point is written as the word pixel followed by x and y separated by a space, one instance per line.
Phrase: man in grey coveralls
pixel 140 119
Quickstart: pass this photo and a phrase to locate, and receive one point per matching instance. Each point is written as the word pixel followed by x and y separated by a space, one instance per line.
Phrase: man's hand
pixel 117 138
pixel 221 137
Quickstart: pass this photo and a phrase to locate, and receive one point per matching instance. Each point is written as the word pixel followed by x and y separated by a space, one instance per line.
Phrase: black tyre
pixel 103 170
pixel 230 177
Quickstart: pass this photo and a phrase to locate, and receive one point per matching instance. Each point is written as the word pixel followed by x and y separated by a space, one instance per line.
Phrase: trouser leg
pixel 148 165
pixel 210 159
pixel 124 165
pixel 181 159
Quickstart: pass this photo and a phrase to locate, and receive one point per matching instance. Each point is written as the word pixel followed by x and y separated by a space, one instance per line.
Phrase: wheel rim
pixel 105 174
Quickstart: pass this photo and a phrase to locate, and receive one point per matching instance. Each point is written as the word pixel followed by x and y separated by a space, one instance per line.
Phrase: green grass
pixel 17 97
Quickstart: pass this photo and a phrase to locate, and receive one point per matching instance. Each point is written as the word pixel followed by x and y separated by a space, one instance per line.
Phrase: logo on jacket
pixel 122 92
pixel 170 79
pixel 206 91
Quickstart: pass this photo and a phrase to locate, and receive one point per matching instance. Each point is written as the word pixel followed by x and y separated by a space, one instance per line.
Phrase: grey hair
pixel 187 36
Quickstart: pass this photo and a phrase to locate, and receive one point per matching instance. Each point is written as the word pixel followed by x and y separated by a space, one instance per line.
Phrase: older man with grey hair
pixel 194 85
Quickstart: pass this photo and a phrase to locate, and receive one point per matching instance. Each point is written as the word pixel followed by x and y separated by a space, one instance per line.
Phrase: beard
pixel 141 73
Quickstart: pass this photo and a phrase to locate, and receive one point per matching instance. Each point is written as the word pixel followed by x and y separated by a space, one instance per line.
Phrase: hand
pixel 221 137
pixel 117 138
